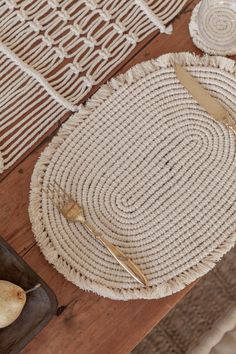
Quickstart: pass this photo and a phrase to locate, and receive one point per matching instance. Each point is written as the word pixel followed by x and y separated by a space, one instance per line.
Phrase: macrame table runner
pixel 52 52
pixel 154 173
pixel 221 31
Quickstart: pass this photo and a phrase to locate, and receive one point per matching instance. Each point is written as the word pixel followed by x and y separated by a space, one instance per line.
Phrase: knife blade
pixel 203 97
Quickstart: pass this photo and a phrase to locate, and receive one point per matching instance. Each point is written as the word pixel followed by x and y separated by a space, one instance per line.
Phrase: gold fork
pixel 72 211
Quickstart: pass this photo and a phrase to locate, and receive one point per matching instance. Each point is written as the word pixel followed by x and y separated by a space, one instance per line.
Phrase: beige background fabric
pixel 154 173
pixel 221 338
pixel 198 322
pixel 227 344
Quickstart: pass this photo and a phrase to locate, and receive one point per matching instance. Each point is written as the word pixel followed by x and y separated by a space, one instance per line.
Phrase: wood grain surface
pixel 86 323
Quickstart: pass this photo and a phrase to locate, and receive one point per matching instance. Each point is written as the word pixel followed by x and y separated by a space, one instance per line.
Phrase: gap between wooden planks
pixel 89 324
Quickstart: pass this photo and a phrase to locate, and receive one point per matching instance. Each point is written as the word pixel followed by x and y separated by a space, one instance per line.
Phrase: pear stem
pixel 33 289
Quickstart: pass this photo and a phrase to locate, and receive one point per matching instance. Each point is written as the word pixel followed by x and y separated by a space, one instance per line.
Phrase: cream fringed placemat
pixel 52 52
pixel 153 172
pixel 219 27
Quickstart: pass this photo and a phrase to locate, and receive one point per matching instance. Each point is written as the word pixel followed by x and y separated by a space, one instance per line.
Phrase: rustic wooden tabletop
pixel 86 323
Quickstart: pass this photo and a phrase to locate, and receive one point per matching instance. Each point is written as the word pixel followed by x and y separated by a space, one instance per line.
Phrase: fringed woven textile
pixel 52 52
pixel 154 173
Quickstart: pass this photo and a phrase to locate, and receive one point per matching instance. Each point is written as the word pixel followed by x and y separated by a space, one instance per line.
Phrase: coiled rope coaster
pixel 154 173
pixel 219 26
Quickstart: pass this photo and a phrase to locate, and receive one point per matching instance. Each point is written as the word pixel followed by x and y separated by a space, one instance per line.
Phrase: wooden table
pixel 86 323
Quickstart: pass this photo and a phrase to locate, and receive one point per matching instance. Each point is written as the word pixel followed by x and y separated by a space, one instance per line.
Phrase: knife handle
pixel 121 258
pixel 229 122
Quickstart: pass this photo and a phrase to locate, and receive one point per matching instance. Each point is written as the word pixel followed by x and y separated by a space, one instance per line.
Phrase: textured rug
pixel 52 52
pixel 200 319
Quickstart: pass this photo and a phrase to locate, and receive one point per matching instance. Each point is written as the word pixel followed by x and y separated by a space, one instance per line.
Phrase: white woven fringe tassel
pixel 37 76
pixel 154 18
pixel 27 112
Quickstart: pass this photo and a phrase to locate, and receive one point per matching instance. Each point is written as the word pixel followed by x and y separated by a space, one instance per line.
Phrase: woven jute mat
pixel 155 174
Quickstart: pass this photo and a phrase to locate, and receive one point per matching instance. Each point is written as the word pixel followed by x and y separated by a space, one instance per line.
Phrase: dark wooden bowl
pixel 40 307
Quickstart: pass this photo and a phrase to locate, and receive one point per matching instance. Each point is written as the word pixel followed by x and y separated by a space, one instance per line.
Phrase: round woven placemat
pixel 219 31
pixel 154 173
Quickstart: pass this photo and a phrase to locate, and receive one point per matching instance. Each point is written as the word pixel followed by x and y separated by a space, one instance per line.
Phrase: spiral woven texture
pixel 219 28
pixel 155 174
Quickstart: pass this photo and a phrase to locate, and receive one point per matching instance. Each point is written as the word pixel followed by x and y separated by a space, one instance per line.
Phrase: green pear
pixel 12 302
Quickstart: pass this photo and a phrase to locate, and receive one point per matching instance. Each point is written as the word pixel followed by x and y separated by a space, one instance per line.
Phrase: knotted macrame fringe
pixel 49 61
pixel 154 18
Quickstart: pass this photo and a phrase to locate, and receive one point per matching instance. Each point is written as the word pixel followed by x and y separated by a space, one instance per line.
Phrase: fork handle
pixel 121 258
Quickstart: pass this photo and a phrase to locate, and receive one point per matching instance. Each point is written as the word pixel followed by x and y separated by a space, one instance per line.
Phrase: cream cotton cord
pixel 154 173
pixel 53 52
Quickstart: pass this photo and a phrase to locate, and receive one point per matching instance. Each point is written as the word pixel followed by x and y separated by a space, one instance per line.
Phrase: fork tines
pixel 57 195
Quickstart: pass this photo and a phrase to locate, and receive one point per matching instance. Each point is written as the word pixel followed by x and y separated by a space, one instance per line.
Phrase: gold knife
pixel 205 100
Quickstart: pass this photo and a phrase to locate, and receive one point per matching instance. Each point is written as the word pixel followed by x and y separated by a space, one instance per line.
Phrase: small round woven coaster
pixel 216 30
pixel 154 173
